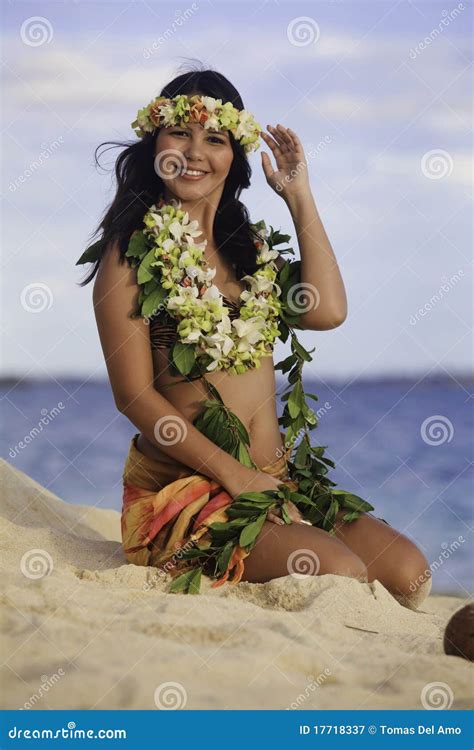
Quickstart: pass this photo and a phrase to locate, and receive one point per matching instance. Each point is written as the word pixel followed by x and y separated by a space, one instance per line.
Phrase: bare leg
pixel 299 548
pixel 389 556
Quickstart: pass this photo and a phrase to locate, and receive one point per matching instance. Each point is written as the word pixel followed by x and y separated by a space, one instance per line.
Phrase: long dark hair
pixel 139 186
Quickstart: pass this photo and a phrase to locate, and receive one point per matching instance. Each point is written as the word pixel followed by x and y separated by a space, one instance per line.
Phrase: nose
pixel 193 150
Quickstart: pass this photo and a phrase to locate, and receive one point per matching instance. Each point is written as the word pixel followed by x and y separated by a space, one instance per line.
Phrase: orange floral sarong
pixel 168 506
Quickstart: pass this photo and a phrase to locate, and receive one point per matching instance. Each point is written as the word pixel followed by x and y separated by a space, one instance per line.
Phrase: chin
pixel 191 191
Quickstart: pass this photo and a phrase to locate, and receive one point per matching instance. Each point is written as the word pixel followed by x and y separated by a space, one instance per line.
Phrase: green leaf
pixel 144 273
pixel 353 502
pixel 351 516
pixel 138 245
pixel 250 532
pixel 92 253
pixel 153 302
pixel 244 457
pixel 184 357
pixel 185 580
pixel 224 558
pixel 295 400
pixel 284 512
pixel 301 351
pixel 195 582
pixel 330 516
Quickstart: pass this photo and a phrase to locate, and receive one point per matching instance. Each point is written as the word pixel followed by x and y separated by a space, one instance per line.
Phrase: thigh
pixel 388 554
pixel 298 548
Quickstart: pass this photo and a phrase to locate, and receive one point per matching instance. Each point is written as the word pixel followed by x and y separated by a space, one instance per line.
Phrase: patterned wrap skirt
pixel 167 506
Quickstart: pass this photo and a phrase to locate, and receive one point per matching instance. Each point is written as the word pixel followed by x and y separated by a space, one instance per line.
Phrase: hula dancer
pixel 189 298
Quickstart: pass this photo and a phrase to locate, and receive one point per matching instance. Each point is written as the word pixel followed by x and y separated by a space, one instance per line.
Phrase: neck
pixel 203 210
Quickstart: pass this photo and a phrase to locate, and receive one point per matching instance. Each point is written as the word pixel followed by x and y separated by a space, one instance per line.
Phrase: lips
pixel 185 176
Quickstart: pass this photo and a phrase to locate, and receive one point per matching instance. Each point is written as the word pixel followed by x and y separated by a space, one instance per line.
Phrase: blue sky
pixel 385 122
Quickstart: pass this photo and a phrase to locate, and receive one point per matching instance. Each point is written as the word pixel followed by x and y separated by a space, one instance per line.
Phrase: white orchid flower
pixel 186 293
pixel 210 103
pixel 249 329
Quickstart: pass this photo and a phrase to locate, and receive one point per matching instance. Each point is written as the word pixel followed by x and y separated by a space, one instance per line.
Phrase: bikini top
pixel 163 333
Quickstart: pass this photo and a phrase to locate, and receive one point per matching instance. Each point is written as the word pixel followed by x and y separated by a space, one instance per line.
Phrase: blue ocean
pixel 404 445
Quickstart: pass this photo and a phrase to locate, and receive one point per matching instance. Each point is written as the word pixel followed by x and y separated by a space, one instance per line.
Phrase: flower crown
pixel 209 112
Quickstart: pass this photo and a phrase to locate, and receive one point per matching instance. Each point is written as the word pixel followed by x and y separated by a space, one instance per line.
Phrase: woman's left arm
pixel 321 281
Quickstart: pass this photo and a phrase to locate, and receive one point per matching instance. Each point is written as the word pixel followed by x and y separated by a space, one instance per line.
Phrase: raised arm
pixel 126 345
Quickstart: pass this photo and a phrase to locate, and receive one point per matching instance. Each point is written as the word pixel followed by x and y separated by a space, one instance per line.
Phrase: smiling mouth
pixel 192 173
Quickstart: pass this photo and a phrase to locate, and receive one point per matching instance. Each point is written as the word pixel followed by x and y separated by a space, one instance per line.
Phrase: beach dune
pixel 83 629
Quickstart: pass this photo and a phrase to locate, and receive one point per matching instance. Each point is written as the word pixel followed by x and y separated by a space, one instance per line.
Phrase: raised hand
pixel 290 178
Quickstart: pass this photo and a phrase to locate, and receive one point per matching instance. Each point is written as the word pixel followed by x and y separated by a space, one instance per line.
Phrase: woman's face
pixel 190 147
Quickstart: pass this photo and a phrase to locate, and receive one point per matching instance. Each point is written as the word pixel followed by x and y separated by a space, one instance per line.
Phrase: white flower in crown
pixel 210 103
pixel 246 126
pixel 167 113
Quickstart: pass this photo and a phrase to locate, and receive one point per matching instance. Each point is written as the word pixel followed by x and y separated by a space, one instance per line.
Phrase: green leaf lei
pixel 316 498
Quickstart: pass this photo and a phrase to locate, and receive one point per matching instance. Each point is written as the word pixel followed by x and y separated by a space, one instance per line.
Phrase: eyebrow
pixel 209 130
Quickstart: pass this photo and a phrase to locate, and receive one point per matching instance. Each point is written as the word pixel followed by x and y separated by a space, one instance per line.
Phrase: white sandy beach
pixel 97 633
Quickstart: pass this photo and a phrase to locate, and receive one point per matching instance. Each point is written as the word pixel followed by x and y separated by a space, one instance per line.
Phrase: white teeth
pixel 192 172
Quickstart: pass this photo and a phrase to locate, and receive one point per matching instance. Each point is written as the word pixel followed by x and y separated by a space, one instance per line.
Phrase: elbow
pixel 123 402
pixel 325 322
pixel 338 318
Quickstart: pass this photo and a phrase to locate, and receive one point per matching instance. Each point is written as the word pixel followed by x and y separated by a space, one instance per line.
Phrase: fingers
pixel 282 136
pixel 274 518
pixel 267 165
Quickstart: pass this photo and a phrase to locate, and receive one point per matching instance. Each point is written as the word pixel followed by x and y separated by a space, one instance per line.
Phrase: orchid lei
pixel 175 277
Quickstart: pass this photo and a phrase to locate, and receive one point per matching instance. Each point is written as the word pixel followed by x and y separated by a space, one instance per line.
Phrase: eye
pixel 214 138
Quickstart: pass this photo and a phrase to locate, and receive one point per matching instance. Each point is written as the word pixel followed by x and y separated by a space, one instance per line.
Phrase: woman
pixel 203 170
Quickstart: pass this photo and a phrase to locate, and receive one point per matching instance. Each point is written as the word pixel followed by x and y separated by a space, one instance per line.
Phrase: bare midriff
pixel 250 395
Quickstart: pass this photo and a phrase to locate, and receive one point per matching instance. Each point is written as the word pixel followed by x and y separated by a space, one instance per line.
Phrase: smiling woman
pixel 210 477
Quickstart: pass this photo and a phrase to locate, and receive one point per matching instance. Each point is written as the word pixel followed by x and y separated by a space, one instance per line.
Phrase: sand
pixel 81 628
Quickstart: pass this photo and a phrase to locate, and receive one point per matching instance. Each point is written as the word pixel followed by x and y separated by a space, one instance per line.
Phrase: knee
pixel 411 581
pixel 350 565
